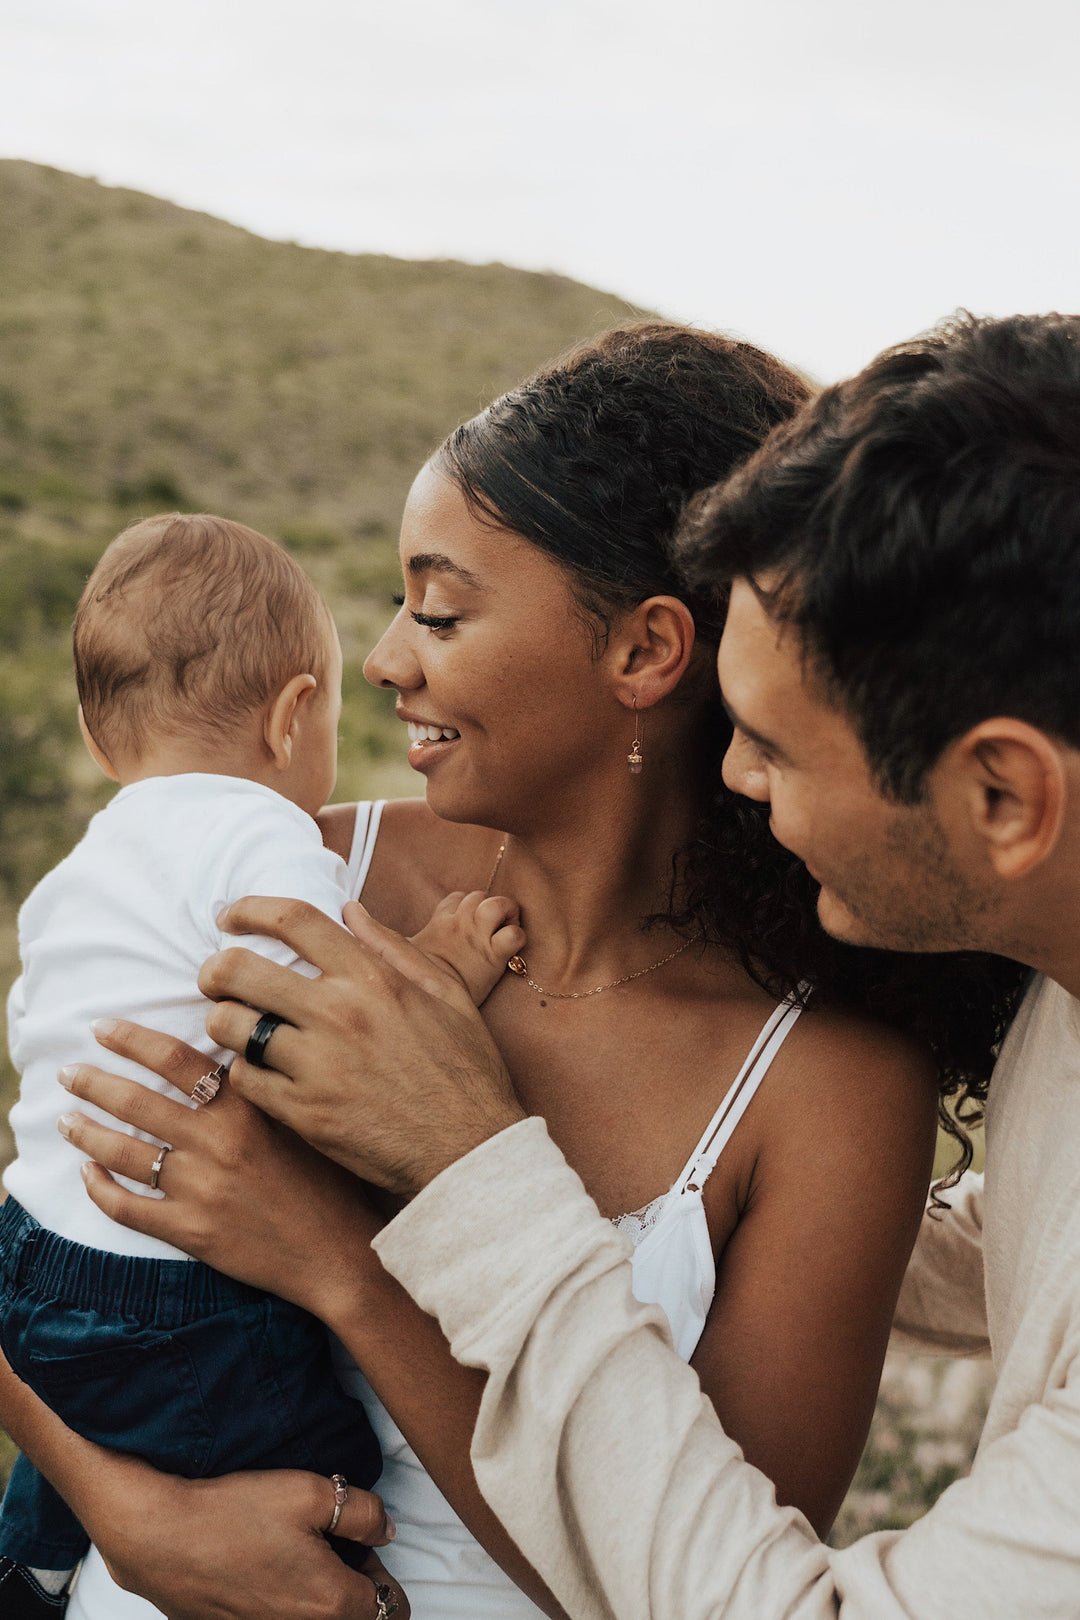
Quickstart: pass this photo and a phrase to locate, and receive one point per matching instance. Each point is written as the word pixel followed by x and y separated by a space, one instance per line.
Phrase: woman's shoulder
pixel 854 1089
pixel 418 859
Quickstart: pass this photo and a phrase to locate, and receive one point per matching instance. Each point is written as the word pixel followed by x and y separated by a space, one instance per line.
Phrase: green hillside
pixel 151 357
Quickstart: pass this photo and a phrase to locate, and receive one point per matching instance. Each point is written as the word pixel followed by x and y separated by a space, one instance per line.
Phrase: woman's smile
pixel 428 741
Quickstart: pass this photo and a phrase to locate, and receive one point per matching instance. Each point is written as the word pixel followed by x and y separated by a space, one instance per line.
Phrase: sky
pixel 822 176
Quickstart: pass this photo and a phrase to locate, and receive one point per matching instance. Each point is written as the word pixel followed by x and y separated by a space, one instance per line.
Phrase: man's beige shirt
pixel 597 1449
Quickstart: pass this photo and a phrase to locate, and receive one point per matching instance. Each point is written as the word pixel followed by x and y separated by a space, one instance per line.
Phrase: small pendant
pixel 518 965
pixel 634 762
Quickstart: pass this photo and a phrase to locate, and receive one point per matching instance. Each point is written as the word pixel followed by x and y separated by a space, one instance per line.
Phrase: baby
pixel 209 674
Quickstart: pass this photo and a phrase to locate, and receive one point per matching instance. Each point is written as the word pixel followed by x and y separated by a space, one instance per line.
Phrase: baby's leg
pixel 474 936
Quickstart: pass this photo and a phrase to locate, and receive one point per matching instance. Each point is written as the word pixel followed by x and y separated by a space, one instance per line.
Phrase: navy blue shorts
pixel 169 1360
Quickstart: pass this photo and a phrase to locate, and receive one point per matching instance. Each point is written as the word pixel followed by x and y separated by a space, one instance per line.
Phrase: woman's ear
pixel 1015 792
pixel 651 649
pixel 283 717
pixel 98 755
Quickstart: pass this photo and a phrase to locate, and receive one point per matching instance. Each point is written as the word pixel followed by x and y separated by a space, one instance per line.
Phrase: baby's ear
pixel 100 759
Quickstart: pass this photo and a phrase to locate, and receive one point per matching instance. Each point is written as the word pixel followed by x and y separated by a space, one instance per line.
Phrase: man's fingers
pixel 232 1025
pixel 239 975
pixel 308 931
pixel 135 1104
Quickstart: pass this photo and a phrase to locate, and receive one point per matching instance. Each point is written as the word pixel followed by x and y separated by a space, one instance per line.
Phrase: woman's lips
pixel 428 743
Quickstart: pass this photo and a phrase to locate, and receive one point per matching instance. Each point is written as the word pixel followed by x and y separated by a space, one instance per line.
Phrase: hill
pixel 152 357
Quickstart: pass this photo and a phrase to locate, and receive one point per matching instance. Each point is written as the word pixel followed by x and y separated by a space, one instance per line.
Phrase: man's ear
pixel 651 649
pixel 1016 792
pixel 98 755
pixel 283 716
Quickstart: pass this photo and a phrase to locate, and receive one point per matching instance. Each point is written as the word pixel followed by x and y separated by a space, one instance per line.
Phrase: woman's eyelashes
pixel 430 621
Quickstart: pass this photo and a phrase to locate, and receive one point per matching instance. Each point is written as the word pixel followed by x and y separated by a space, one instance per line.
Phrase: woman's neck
pixel 585 889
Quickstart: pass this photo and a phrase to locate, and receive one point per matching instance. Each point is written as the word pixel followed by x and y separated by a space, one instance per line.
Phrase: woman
pixel 770 1163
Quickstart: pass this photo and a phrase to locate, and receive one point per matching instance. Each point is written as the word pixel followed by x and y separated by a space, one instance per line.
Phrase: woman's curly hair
pixel 594 459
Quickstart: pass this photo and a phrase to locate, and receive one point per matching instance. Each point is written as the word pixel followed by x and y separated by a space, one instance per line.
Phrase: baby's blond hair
pixel 189 623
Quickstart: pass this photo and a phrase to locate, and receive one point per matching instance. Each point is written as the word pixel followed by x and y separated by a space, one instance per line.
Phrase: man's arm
pixel 596 1448
pixel 942 1305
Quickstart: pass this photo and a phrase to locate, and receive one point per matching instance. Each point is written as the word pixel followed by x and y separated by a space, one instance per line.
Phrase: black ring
pixel 255 1050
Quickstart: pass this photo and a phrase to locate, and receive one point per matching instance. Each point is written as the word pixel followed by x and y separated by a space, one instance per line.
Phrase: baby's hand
pixel 474 936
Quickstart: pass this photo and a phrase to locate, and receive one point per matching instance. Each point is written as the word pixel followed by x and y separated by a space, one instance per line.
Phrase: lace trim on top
pixel 638 1223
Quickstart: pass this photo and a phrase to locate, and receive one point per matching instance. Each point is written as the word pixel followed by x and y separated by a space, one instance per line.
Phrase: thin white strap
pixel 365 832
pixel 737 1098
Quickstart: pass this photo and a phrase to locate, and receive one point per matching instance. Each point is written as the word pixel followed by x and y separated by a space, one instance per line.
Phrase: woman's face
pixel 495 667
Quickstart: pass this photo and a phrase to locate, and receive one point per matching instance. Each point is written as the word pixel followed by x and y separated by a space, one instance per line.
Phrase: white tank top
pixel 444 1569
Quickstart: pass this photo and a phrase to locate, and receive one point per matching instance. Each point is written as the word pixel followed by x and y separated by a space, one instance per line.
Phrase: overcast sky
pixel 823 176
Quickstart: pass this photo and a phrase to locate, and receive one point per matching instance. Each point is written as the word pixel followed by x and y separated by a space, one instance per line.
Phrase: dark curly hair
pixel 594 460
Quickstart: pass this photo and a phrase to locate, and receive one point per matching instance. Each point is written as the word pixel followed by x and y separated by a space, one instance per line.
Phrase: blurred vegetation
pixel 152 358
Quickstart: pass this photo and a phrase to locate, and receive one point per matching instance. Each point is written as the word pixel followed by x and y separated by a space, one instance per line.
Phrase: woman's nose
pixel 391 662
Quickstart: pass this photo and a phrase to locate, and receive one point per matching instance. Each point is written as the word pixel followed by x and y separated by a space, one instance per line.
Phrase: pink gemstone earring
pixel 635 757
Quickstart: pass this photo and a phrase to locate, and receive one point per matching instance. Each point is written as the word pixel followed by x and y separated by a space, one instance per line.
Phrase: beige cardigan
pixel 610 1469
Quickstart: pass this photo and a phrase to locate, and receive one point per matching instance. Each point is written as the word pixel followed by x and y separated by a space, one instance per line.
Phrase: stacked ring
pixel 206 1089
pixel 255 1050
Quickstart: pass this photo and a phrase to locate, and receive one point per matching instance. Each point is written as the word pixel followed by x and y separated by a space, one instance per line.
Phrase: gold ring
pixel 155 1169
pixel 387 1602
pixel 341 1496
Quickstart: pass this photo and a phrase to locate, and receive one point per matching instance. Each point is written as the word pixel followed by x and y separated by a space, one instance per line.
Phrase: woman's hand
pixel 240 1192
pixel 244 1547
pixel 377 1063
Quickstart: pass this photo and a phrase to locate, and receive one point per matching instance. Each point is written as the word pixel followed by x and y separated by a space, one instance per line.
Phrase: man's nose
pixel 743 772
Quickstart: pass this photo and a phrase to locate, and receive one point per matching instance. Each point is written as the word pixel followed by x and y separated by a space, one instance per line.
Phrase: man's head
pixel 201 645
pixel 902 655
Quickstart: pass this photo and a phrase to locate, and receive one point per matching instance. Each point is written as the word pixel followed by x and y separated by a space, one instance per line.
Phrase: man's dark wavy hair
pixel 922 526
pixel 594 460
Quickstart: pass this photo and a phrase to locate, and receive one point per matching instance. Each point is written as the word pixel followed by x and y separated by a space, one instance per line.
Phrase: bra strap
pixel 739 1095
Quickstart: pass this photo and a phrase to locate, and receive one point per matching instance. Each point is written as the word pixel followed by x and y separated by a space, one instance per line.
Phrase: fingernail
pixel 103 1026
pixel 84 1170
pixel 66 1075
pixel 222 917
pixel 391 1529
pixel 66 1124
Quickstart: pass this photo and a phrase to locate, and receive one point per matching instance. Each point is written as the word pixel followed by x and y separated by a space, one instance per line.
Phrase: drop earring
pixel 635 757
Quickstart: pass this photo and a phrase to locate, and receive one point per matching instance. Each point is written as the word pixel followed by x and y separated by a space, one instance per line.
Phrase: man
pixel 902 665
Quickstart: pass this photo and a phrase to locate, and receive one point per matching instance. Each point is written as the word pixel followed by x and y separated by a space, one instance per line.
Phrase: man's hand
pixel 377 1066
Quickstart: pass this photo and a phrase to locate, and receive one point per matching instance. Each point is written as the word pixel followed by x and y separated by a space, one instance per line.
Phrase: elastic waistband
pixel 157 1293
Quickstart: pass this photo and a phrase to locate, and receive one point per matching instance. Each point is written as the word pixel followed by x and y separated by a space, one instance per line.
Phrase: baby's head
pixel 200 645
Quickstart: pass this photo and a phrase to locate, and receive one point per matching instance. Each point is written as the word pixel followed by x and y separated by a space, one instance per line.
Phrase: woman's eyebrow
pixel 434 562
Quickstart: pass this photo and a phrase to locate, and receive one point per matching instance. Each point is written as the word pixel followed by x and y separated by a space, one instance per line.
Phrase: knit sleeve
pixel 597 1449
pixel 942 1305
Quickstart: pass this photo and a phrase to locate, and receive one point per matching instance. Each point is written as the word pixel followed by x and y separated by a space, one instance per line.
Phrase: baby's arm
pixel 472 937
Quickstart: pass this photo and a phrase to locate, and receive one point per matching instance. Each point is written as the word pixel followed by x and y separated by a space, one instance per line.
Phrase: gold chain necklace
pixel 518 964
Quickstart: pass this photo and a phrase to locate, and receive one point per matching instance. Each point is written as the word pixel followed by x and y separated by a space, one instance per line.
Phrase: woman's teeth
pixel 421 734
